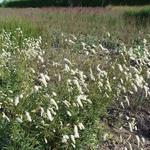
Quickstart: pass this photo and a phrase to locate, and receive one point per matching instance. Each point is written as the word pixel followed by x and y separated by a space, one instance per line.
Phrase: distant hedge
pixel 85 3
pixel 42 3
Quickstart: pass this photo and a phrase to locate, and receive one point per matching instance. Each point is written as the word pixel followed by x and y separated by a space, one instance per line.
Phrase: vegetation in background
pixel 141 16
pixel 81 3
pixel 92 21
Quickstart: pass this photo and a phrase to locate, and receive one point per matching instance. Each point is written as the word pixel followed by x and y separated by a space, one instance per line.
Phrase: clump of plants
pixel 52 98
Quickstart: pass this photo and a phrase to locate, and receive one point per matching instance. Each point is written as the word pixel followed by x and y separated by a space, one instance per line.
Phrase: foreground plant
pixel 51 100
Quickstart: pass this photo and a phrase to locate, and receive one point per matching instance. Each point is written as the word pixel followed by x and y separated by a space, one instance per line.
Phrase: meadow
pixel 75 78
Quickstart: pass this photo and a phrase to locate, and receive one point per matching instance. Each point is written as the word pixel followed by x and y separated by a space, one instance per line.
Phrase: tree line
pixel 74 3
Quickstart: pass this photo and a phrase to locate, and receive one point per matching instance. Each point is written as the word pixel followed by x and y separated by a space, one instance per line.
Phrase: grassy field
pixel 92 21
pixel 74 78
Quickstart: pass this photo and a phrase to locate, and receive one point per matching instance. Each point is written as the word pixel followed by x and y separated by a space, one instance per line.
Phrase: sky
pixel 1 1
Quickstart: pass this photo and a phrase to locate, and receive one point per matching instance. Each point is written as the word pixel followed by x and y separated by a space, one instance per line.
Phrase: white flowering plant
pixel 53 98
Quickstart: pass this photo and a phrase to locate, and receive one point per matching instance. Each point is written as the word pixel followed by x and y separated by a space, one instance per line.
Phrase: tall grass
pixel 95 22
pixel 140 16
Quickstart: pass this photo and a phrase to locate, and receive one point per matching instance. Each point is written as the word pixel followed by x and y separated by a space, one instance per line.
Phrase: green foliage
pixel 129 2
pixel 83 3
pixel 9 24
pixel 141 16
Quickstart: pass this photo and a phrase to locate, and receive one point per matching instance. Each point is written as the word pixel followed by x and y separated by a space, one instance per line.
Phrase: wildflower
pixel 66 103
pixel 59 77
pixel 134 87
pixel 98 69
pixel 122 104
pixel 81 76
pixel 5 117
pixel 52 111
pixel 42 111
pixel 143 139
pixel 41 59
pixel 100 84
pixel 76 133
pixel 83 44
pixel 93 51
pixel 130 146
pixel 138 140
pixel 124 89
pixel 87 52
pixel 55 64
pixel 67 61
pixel 65 138
pixel 134 70
pixel 61 124
pixel 130 127
pixel 16 100
pixel 81 126
pixel 135 127
pixel 121 140
pixel 125 148
pixel 73 145
pixel 10 91
pixel 47 77
pixel 71 42
pixel 67 68
pixel 45 140
pixel 146 88
pixel 121 80
pixel 76 82
pixel 105 136
pixel 104 49
pixel 74 37
pixel 108 85
pixel 73 139
pixel 79 102
pixel 127 117
pixel 120 67
pixel 53 102
pixel 73 72
pixel 69 113
pixel 36 88
pixel 102 73
pixel 148 74
pixel 19 120
pixel 108 34
pixel 54 94
pixel 127 100
pixel 139 80
pixel 50 117
pixel 21 96
pixel 44 79
pixel 144 41
pixel 28 116
pixel 91 75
